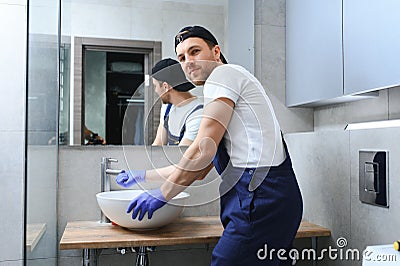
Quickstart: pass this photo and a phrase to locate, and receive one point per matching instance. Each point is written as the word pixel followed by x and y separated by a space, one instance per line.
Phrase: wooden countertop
pixel 34 233
pixel 185 230
pixel 308 229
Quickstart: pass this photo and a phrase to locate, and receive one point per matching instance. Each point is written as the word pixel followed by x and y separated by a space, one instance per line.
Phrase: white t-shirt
pixel 253 137
pixel 179 114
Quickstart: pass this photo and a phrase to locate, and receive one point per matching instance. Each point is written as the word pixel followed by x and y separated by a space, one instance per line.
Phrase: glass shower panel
pixel 42 133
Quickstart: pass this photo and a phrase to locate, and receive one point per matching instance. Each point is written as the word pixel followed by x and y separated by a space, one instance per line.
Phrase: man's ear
pixel 217 52
pixel 166 86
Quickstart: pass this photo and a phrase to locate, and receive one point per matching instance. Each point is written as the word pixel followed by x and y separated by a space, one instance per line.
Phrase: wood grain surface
pixel 34 233
pixel 185 230
pixel 308 229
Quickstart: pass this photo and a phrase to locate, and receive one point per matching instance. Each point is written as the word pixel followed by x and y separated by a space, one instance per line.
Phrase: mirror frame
pixel 152 105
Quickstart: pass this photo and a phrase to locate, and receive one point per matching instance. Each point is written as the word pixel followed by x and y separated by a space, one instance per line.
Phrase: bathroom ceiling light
pixel 373 124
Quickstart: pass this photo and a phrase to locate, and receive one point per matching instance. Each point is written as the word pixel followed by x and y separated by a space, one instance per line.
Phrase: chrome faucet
pixel 106 171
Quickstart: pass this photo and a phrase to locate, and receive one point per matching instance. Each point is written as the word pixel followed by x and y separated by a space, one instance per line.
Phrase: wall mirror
pixel 108 49
pixel 111 75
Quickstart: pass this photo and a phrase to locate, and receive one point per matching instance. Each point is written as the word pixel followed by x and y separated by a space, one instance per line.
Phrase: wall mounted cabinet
pixel 340 50
pixel 371 41
pixel 313 51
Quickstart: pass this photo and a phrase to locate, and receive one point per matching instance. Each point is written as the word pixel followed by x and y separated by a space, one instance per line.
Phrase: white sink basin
pixel 114 204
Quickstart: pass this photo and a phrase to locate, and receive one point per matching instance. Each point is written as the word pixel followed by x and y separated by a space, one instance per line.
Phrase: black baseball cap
pixel 170 71
pixel 200 32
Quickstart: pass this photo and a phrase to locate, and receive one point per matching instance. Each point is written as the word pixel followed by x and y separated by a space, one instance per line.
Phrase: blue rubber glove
pixel 129 178
pixel 148 201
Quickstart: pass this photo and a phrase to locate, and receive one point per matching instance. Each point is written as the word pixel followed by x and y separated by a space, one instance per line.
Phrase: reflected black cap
pixel 200 32
pixel 170 71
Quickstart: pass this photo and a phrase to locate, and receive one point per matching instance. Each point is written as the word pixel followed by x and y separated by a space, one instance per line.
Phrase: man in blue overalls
pixel 261 204
pixel 180 122
pixel 182 117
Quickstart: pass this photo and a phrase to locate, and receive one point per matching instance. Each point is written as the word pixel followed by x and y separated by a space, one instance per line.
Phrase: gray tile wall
pixel 12 136
pixel 325 160
pixel 326 164
pixel 322 166
pixel 370 224
pixel 270 27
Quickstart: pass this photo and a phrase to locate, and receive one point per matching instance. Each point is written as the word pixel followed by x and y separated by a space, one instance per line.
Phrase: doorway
pixel 111 79
pixel 124 79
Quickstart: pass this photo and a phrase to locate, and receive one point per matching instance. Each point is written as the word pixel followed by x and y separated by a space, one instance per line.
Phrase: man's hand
pixel 129 178
pixel 148 201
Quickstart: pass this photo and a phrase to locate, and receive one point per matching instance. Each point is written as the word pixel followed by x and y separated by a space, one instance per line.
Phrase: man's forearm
pixel 194 165
pixel 159 174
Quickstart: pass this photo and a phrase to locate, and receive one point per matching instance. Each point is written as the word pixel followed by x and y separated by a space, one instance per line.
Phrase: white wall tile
pixel 12 69
pixel 14 2
pixel 40 25
pixel 12 193
pixel 155 20
pixel 96 20
pixel 12 107
pixel 175 19
pixel 12 263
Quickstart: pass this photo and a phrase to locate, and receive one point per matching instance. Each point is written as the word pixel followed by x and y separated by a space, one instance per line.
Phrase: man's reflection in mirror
pixel 92 138
pixel 180 121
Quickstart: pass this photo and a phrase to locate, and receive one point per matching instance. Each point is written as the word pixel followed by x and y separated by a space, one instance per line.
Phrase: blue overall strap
pixel 171 139
pixel 198 107
pixel 221 158
pixel 167 111
pixel 175 140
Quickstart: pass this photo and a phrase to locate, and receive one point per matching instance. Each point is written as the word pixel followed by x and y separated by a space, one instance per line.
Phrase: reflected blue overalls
pixel 269 215
pixel 172 139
